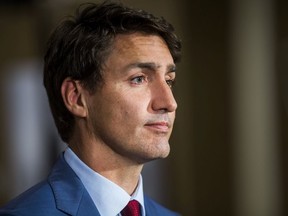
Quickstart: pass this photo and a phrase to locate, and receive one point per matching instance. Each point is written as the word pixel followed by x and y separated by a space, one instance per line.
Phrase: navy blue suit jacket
pixel 64 194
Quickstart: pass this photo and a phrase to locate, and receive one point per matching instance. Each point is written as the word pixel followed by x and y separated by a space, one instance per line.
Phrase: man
pixel 108 75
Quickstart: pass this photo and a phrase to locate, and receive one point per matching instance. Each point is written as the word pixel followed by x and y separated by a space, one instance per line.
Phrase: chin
pixel 160 153
pixel 164 154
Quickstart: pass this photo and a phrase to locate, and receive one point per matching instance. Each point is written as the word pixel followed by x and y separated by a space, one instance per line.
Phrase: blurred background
pixel 229 146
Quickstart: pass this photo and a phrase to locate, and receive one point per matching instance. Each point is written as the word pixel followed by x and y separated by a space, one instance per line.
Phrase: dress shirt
pixel 103 191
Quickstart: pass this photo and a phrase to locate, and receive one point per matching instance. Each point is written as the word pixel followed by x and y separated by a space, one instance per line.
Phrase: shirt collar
pixel 103 191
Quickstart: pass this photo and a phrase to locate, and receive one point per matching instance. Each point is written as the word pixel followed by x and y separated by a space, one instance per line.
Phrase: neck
pixel 103 160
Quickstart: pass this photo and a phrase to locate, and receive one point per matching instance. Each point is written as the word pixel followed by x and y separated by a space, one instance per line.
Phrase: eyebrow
pixel 151 66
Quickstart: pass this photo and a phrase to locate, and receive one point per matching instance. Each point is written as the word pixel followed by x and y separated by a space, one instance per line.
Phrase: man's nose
pixel 162 98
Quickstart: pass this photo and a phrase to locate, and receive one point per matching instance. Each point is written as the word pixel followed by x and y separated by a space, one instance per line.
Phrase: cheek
pixel 132 118
pixel 129 111
pixel 131 102
pixel 124 106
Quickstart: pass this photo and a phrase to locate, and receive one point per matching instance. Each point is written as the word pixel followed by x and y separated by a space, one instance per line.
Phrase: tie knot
pixel 131 209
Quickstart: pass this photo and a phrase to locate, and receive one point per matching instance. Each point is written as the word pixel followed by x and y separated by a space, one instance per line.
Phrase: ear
pixel 73 97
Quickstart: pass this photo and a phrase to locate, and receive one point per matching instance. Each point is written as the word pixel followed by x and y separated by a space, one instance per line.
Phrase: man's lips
pixel 158 126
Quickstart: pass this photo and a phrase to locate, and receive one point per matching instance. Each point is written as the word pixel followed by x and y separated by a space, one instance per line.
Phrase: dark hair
pixel 79 46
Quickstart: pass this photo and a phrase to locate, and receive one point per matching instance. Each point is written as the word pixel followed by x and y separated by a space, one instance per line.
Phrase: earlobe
pixel 73 97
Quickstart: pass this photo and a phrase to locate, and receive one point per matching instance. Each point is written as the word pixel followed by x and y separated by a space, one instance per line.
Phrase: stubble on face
pixel 132 118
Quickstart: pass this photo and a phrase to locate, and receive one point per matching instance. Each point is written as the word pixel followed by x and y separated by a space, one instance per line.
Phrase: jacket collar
pixel 70 195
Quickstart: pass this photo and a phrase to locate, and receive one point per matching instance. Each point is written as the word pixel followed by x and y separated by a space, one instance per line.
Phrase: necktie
pixel 131 209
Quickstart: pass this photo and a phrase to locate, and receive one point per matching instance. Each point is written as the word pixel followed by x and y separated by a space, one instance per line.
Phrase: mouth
pixel 162 127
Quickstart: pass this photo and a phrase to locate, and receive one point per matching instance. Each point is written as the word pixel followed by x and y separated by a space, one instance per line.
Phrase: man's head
pixel 80 46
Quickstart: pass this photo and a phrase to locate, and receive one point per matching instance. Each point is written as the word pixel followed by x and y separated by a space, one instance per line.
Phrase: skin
pixel 129 120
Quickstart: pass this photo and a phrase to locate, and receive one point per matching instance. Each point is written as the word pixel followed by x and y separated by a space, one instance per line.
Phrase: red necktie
pixel 131 209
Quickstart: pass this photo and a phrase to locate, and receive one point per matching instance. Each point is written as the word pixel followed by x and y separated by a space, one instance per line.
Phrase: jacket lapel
pixel 70 194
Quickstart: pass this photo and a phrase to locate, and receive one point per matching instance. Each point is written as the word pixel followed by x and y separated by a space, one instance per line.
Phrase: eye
pixel 138 80
pixel 170 83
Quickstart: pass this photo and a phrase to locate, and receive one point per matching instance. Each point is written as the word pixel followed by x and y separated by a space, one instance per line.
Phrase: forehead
pixel 137 39
pixel 139 45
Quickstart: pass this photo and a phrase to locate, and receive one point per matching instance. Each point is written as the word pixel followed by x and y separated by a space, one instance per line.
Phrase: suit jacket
pixel 63 193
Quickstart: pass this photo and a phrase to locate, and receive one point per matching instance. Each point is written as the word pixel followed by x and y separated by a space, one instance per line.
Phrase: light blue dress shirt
pixel 103 191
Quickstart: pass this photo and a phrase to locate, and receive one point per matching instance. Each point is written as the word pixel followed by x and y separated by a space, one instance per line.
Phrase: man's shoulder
pixel 38 200
pixel 154 208
pixel 62 193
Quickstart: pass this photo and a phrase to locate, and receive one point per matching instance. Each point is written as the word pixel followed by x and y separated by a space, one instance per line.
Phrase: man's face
pixel 134 111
